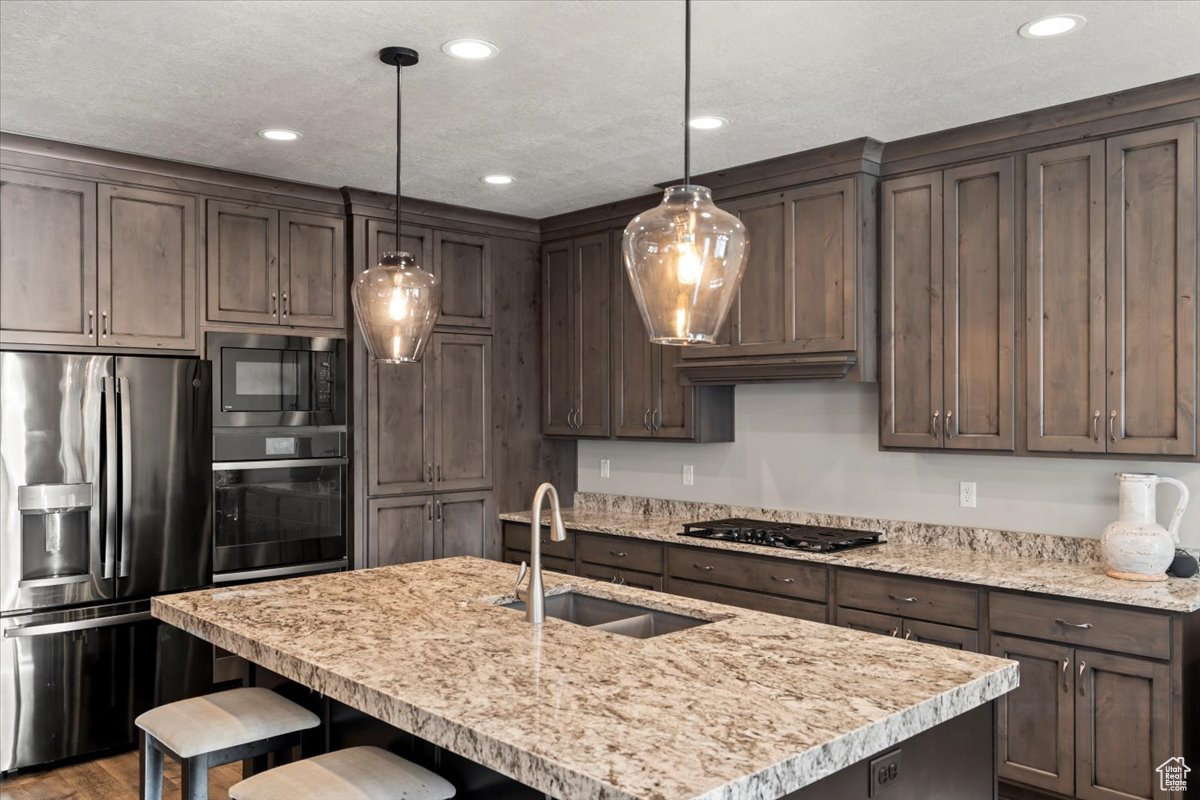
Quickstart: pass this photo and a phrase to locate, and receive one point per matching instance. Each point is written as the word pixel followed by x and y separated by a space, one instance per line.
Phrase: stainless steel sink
pixel 611 615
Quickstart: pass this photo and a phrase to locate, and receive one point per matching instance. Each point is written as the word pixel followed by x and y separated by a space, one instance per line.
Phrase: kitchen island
pixel 747 705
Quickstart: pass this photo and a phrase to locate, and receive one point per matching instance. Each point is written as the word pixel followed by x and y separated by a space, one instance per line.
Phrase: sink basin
pixel 611 615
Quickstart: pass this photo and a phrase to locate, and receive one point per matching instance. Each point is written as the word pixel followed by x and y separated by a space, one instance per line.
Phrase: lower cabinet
pixel 405 529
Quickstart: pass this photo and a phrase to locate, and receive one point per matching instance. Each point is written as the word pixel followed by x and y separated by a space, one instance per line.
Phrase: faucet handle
pixel 521 572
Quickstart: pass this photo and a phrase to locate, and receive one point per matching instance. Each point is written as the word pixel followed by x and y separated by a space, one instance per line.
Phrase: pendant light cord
pixel 687 92
pixel 399 101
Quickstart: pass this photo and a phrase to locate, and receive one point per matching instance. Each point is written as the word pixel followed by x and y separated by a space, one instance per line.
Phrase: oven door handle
pixel 282 463
pixel 298 570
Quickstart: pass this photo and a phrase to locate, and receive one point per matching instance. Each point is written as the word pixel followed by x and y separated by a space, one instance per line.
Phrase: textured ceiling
pixel 582 105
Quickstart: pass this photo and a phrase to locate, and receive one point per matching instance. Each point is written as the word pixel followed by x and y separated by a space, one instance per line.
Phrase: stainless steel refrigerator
pixel 105 490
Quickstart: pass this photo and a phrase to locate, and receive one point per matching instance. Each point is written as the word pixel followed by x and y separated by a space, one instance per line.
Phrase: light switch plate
pixel 689 475
pixel 605 468
pixel 966 494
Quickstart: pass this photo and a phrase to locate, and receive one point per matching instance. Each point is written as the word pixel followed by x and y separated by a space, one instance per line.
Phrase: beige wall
pixel 813 446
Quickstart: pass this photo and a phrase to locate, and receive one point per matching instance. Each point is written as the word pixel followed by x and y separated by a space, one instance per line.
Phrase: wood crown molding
pixel 378 205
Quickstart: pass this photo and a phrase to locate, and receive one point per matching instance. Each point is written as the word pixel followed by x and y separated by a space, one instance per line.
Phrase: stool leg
pixel 151 759
pixel 195 778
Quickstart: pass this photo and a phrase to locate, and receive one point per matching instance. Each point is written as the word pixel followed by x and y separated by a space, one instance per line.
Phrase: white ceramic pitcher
pixel 1136 547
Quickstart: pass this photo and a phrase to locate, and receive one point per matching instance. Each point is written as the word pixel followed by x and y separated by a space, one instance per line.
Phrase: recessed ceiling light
pixel 279 135
pixel 708 123
pixel 470 49
pixel 1056 25
pixel 497 180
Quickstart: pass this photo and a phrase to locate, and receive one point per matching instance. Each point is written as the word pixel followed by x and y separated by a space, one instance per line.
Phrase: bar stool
pixel 356 773
pixel 215 729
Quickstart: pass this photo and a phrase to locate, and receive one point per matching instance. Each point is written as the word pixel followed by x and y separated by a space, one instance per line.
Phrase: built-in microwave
pixel 263 380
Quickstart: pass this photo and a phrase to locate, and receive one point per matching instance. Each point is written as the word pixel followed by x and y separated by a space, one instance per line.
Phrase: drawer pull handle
pixel 618 553
pixel 902 599
pixel 1081 625
pixel 705 567
pixel 783 580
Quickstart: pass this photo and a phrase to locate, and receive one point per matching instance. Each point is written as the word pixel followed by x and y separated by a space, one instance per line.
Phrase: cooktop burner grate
pixel 791 536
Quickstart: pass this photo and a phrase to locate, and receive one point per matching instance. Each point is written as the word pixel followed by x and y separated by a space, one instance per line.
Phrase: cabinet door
pixel 1064 298
pixel 558 339
pixel 462 418
pixel 381 238
pixel 765 299
pixel 243 263
pixel 1122 725
pixel 869 621
pixel 400 530
pixel 312 257
pixel 147 268
pixel 466 525
pixel 47 260
pixel 942 635
pixel 592 353
pixel 978 339
pixel 674 404
pixel 633 357
pixel 464 263
pixel 1151 292
pixel 399 440
pixel 823 268
pixel 910 383
pixel 1035 724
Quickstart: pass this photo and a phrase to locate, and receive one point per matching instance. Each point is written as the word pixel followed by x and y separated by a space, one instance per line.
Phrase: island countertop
pixel 751 705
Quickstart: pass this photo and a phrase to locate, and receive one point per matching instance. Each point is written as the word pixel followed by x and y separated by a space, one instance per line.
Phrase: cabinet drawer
pixel 1124 630
pixel 801 609
pixel 869 621
pixel 620 552
pixel 758 574
pixel 549 563
pixel 625 577
pixel 941 635
pixel 516 536
pixel 910 598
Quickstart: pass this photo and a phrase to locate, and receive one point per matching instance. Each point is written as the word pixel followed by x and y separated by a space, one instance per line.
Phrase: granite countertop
pixel 751 705
pixel 1084 580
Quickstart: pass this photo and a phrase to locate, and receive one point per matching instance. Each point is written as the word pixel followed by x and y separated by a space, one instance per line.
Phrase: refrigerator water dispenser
pixel 55 533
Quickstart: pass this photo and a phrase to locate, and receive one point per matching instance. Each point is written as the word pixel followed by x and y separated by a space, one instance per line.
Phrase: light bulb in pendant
pixel 688 264
pixel 398 305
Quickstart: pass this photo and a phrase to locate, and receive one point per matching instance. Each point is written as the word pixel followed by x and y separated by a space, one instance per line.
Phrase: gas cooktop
pixel 810 538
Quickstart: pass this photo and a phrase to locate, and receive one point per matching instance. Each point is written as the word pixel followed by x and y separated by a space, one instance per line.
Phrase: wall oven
pixel 268 380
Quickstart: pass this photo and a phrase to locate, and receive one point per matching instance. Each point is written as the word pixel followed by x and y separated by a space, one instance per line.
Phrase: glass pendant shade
pixel 685 259
pixel 397 304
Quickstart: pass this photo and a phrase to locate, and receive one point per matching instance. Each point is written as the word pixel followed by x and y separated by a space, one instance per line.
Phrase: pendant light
pixel 396 302
pixel 685 258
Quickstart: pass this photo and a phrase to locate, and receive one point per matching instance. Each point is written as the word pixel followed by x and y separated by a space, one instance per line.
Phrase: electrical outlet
pixel 885 773
pixel 966 494
pixel 605 468
pixel 689 476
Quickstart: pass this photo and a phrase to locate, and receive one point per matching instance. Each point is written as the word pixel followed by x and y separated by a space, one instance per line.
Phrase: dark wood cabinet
pixel 948 309
pixel 465 525
pixel 806 305
pixel 1036 722
pixel 869 621
pixel 273 267
pixel 1151 291
pixel 47 260
pixel 419 528
pixel 312 272
pixel 909 608
pixel 1064 299
pixel 576 358
pixel 464 264
pixel 942 635
pixel 147 268
pixel 649 398
pixel 381 238
pixel 429 424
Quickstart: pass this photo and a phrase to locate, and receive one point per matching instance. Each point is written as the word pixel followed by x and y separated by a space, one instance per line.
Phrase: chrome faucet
pixel 535 595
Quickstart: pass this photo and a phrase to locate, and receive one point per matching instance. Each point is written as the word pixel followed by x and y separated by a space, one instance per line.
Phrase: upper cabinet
pixel 576 336
pixel 85 264
pixel 948 273
pixel 273 267
pixel 806 305
pixel 1110 287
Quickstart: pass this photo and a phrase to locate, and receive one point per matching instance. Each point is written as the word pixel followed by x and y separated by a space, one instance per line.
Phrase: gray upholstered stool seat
pixel 215 729
pixel 356 773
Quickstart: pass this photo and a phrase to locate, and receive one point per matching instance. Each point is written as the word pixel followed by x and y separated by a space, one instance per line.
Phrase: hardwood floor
pixel 112 777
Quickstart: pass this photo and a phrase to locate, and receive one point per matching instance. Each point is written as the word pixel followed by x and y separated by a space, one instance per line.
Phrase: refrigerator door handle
pixel 126 474
pixel 24 631
pixel 112 461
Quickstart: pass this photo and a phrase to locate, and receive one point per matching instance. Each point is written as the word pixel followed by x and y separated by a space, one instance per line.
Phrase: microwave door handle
pixel 126 474
pixel 111 467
